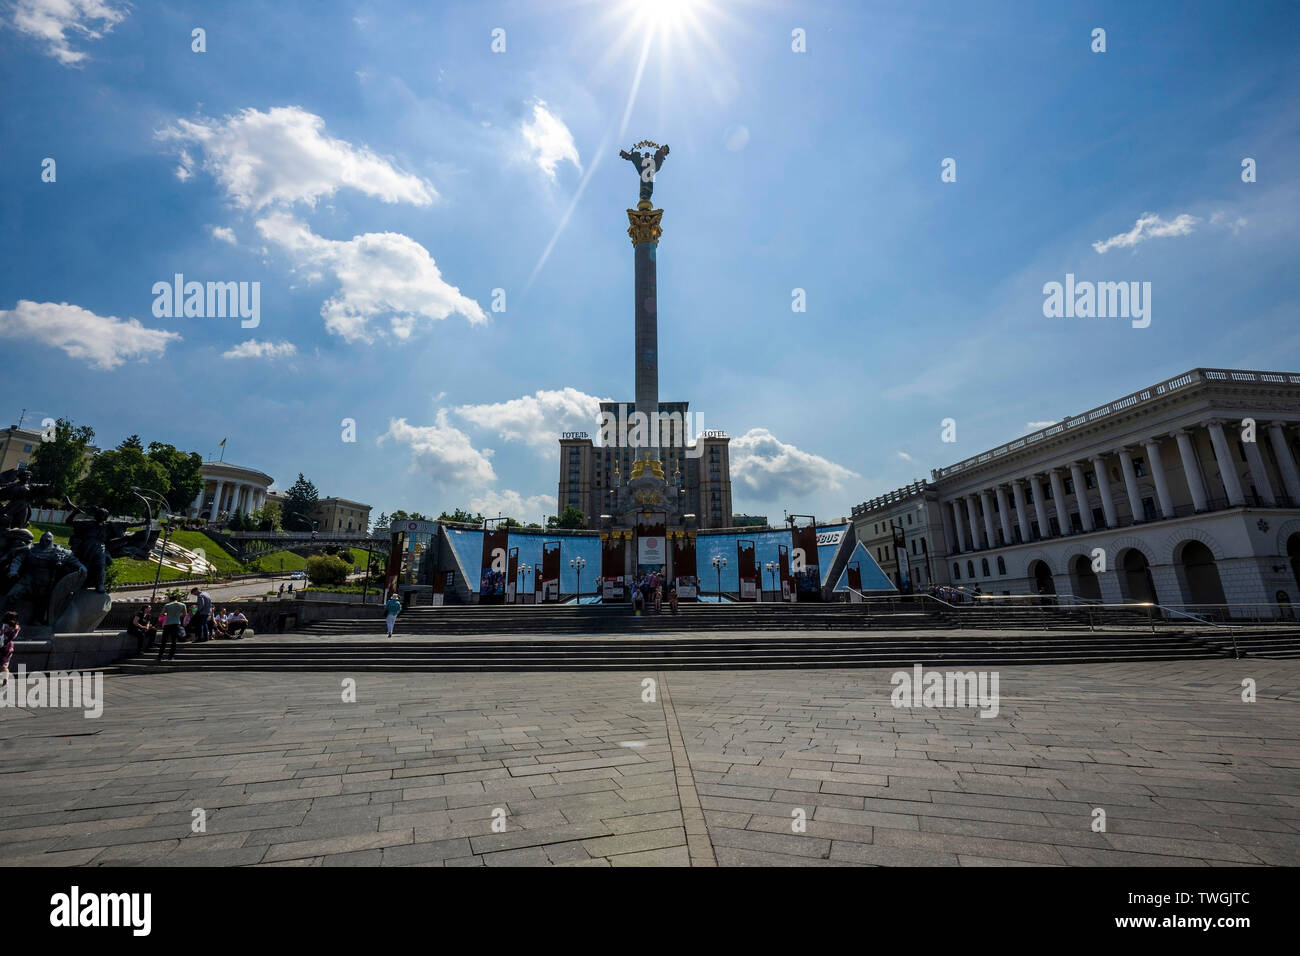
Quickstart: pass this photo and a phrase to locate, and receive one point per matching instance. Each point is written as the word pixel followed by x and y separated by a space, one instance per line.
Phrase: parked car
pixel 298 576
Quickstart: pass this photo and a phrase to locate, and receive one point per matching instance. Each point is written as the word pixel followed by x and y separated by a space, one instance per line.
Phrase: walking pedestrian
pixel 672 596
pixel 392 609
pixel 8 634
pixel 174 613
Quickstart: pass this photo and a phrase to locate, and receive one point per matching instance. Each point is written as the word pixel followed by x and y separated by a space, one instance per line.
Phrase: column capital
pixel 643 225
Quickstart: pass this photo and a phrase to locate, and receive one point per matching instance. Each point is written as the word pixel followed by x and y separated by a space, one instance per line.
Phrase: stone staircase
pixel 366 653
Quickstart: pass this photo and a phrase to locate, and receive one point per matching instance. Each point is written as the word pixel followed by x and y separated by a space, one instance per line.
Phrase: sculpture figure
pixel 38 570
pixel 647 164
pixel 18 491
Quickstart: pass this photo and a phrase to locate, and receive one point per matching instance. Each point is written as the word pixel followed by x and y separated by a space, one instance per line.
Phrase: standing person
pixel 392 609
pixel 173 614
pixel 281 589
pixel 202 614
pixel 8 634
pixel 672 596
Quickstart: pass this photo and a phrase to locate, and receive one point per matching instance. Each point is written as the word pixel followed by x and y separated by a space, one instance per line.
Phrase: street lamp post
pixel 578 564
pixel 523 571
pixel 770 567
pixel 719 563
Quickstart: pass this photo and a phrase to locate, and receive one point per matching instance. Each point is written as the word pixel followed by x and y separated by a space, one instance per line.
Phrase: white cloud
pixel 905 456
pixel 1221 218
pixel 512 504
pixel 537 419
pixel 1035 426
pixel 1148 226
pixel 443 451
pixel 225 234
pixel 379 273
pixel 51 20
pixel 769 469
pixel 548 140
pixel 283 156
pixel 104 341
pixel 255 349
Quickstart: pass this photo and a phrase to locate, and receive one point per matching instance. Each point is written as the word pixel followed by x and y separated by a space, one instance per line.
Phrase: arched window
pixel 970 569
pixel 984 566
pixel 956 571
pixel 1002 565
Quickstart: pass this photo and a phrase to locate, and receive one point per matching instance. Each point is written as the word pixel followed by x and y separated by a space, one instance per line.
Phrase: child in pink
pixel 8 634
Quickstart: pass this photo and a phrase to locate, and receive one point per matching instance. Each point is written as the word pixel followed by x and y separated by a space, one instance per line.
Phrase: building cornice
pixel 1200 383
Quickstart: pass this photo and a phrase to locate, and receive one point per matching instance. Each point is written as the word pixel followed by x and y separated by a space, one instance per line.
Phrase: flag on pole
pixel 223 443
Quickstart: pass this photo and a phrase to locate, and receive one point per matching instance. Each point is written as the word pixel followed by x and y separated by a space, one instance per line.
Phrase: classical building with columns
pixel 229 488
pixel 1184 493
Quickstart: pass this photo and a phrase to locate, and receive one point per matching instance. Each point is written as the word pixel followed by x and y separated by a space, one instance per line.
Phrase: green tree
pixel 571 518
pixel 266 518
pixel 237 523
pixel 302 500
pixel 326 569
pixel 113 473
pixel 403 516
pixel 380 524
pixel 461 515
pixel 182 473
pixel 61 462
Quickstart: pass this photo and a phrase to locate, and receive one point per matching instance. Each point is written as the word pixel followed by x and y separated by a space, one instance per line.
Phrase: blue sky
pixel 379 170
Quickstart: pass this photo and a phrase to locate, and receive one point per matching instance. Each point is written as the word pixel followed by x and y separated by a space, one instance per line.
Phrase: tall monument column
pixel 644 230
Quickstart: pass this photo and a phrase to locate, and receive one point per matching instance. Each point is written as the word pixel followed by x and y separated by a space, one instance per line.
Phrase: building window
pixel 1148 509
pixel 1029 495
pixel 1047 491
pixel 970 569
pixel 909 519
pixel 1069 486
pixel 1090 480
pixel 1002 565
pixel 1098 518
pixel 956 571
pixel 1140 467
pixel 1076 523
pixel 984 566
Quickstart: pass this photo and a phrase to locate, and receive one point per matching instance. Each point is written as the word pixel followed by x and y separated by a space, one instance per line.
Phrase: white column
pixel 961 534
pixel 1285 462
pixel 1081 495
pixel 198 501
pixel 216 500
pixel 1259 473
pixel 949 537
pixel 1192 469
pixel 1152 445
pixel 1131 485
pixel 1040 508
pixel 1004 513
pixel 1103 488
pixel 986 503
pixel 1058 494
pixel 974 523
pixel 1227 467
pixel 1018 493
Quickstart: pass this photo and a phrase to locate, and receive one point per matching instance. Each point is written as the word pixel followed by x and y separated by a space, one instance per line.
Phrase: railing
pixel 1146 394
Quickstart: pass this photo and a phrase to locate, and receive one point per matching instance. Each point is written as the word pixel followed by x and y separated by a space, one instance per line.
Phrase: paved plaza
pixel 718 768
